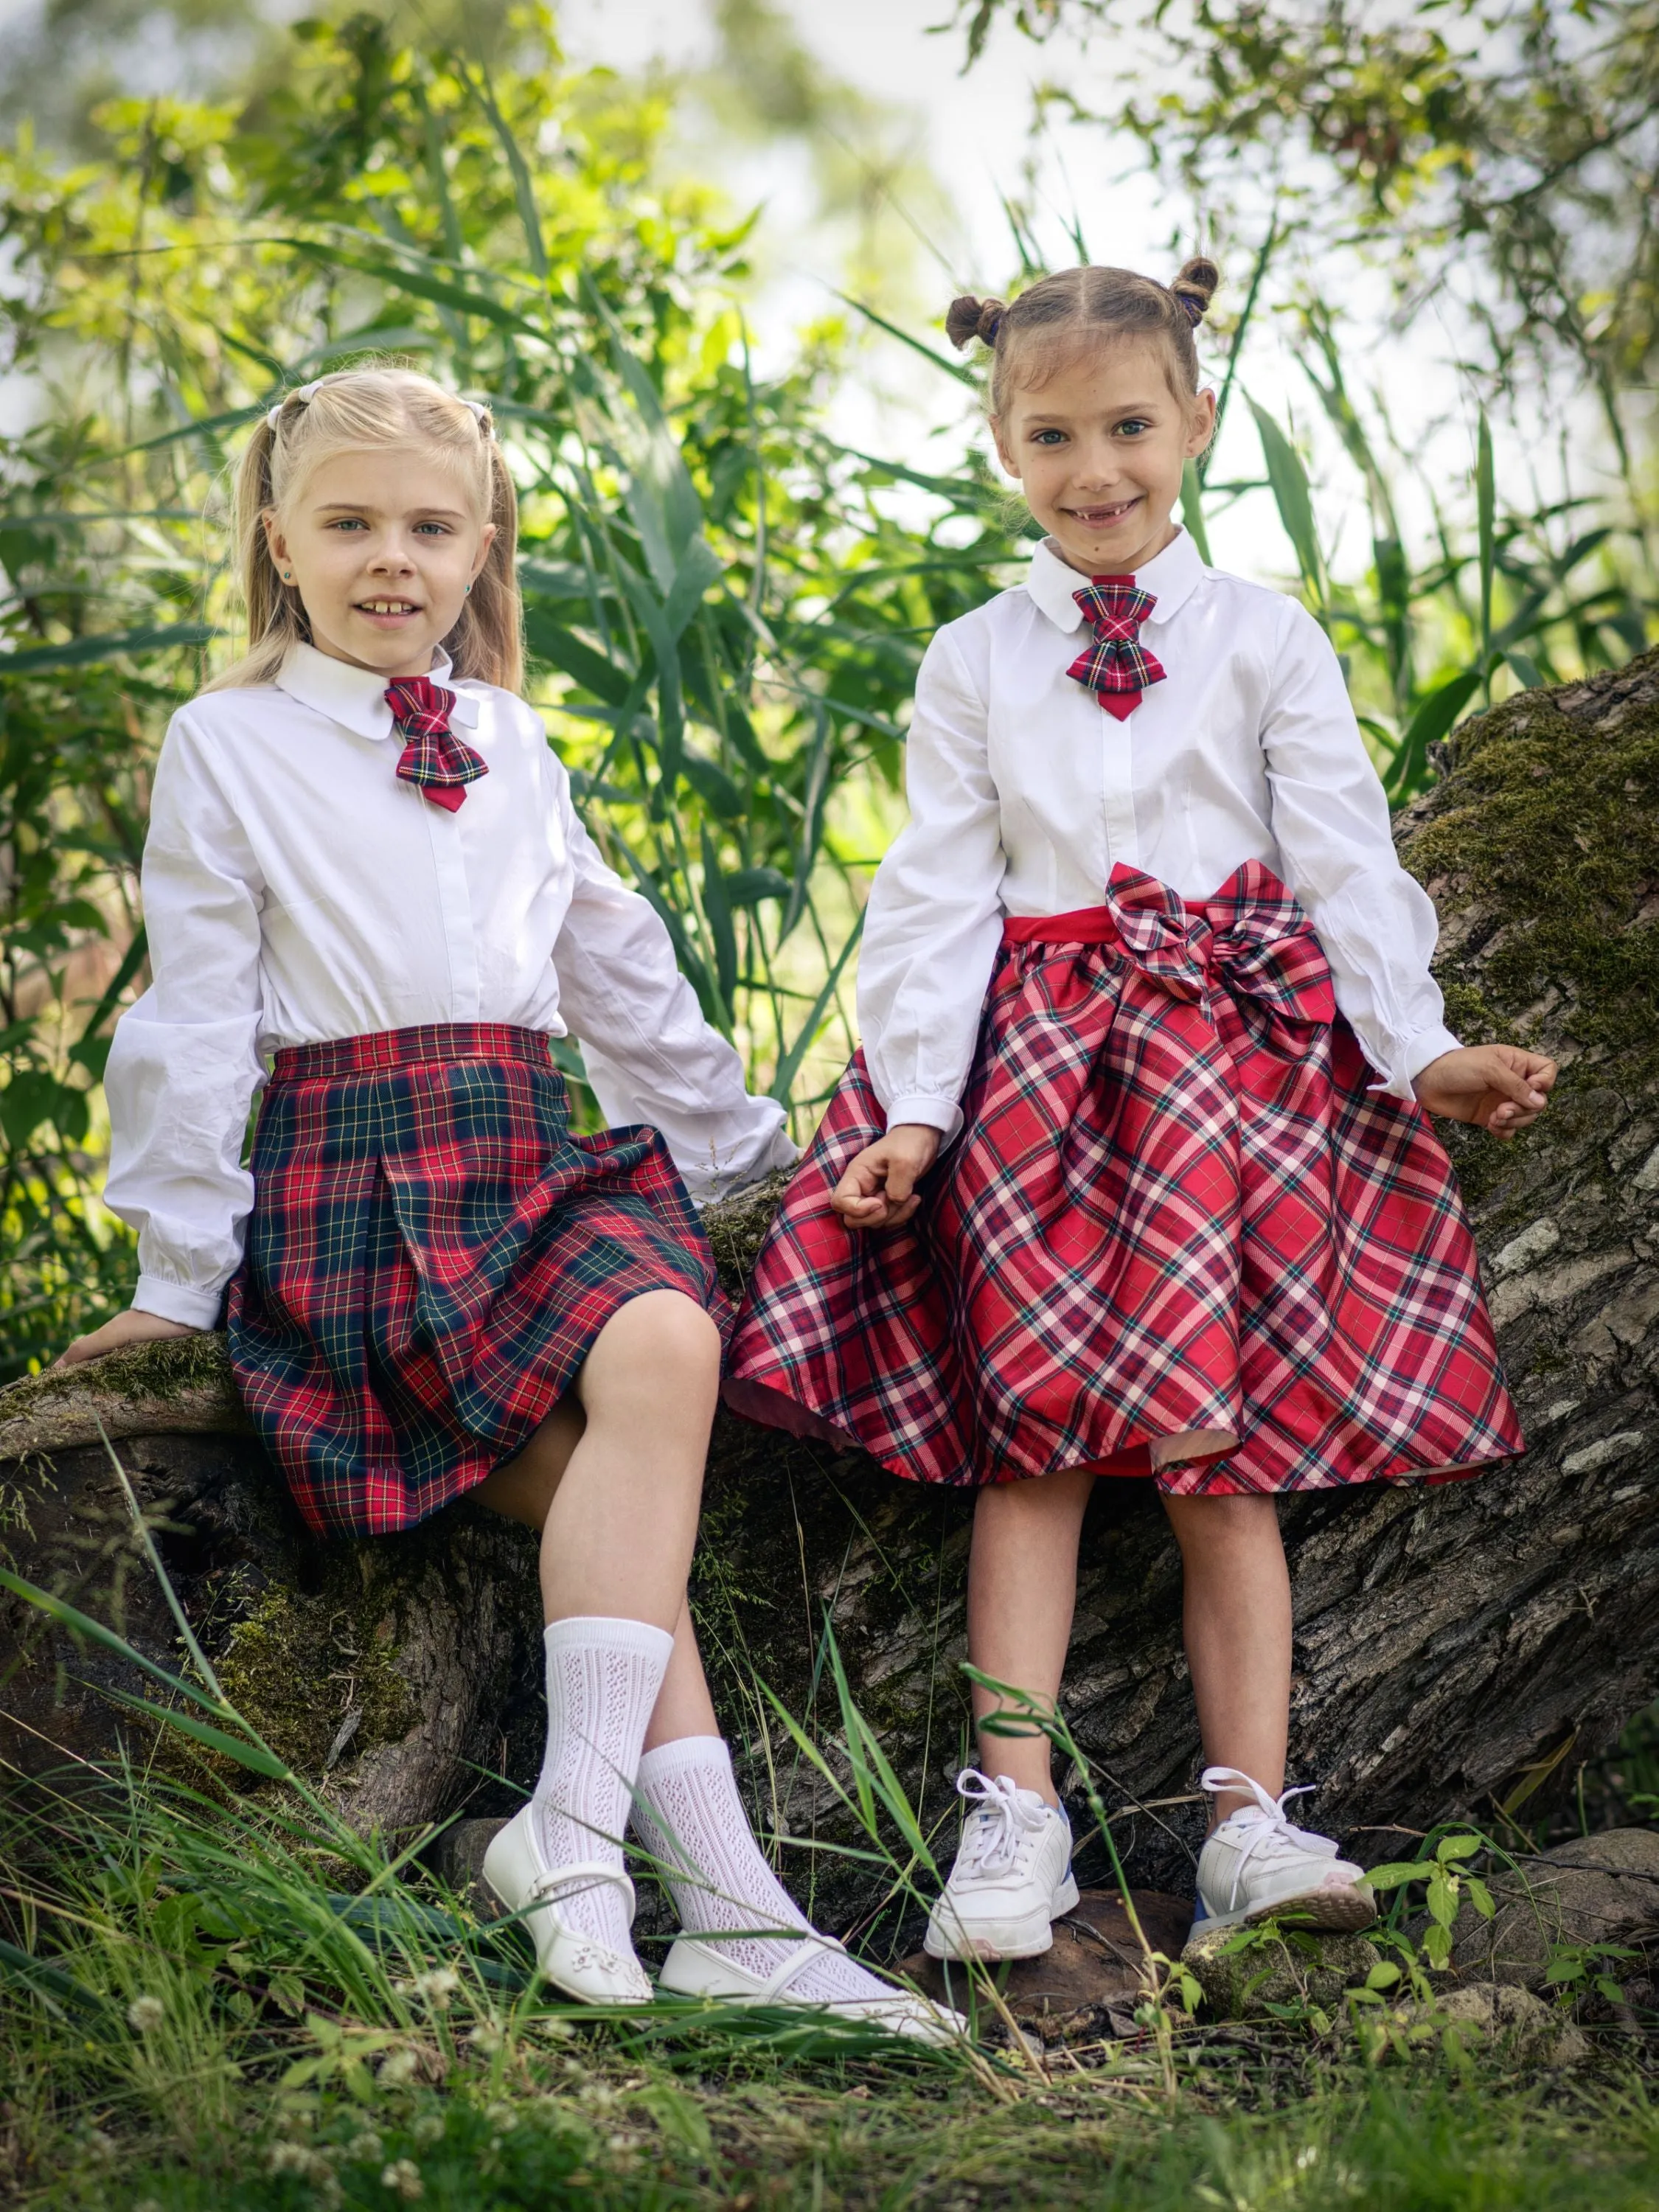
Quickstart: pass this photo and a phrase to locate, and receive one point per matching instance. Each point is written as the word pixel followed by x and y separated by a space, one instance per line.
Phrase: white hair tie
pixel 273 414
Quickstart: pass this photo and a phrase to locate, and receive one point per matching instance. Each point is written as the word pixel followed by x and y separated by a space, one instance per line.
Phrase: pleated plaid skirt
pixel 1178 1236
pixel 430 1257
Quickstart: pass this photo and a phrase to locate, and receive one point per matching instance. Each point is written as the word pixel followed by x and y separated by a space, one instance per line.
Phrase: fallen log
pixel 1456 1648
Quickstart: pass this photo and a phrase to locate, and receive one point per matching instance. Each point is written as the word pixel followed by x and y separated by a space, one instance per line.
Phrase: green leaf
pixel 1192 511
pixel 1486 505
pixel 959 369
pixel 83 652
pixel 52 1982
pixel 718 910
pixel 255 1757
pixel 562 649
pixel 749 886
pixel 1294 499
pixel 1458 1847
pixel 1432 719
pixel 440 291
pixel 1398 1872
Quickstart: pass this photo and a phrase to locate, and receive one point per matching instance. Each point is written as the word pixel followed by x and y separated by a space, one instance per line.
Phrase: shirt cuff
pixel 177 1302
pixel 941 1114
pixel 1415 1054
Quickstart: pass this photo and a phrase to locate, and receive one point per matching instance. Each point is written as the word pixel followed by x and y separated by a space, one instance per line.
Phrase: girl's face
pixel 1098 448
pixel 381 546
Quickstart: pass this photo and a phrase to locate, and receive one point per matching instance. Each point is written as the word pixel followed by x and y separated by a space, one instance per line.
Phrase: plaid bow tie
pixel 434 759
pixel 1117 666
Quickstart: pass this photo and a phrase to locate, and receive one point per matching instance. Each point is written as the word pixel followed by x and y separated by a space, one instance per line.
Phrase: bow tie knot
pixel 434 759
pixel 1117 668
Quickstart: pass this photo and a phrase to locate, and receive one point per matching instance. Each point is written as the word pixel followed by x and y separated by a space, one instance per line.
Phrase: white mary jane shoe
pixel 699 1969
pixel 1013 1876
pixel 579 1965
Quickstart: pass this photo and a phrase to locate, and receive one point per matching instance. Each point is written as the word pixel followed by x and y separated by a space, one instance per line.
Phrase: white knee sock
pixel 603 1677
pixel 688 1814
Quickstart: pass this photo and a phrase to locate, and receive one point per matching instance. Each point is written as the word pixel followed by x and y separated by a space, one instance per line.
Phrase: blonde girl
pixel 369 898
pixel 1132 1175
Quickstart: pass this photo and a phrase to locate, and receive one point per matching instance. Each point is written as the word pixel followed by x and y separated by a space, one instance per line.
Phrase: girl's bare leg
pixel 618 1477
pixel 1236 1615
pixel 526 1490
pixel 1022 1591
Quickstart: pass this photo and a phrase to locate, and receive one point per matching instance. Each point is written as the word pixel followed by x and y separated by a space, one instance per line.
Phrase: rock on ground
pixel 1594 1890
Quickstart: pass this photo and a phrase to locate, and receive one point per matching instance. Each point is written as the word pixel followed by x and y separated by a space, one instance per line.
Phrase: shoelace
pixel 998 1824
pixel 1274 1829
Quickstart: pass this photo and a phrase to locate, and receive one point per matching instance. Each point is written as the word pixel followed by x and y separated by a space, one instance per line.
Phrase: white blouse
pixel 295 890
pixel 1024 795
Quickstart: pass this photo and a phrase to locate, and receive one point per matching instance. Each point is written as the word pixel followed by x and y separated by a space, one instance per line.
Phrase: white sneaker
pixel 577 1964
pixel 1255 1866
pixel 1013 1878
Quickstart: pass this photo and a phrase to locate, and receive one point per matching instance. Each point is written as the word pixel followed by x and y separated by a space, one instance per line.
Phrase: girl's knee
pixel 1219 1521
pixel 674 1339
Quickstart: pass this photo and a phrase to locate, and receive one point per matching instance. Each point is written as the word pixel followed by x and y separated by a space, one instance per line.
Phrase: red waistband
pixel 384 1048
pixel 1084 924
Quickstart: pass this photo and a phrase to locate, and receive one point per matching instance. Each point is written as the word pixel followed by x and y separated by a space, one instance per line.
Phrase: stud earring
pixel 469 591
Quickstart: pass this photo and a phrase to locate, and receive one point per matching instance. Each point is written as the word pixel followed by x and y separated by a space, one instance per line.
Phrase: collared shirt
pixel 295 890
pixel 1024 795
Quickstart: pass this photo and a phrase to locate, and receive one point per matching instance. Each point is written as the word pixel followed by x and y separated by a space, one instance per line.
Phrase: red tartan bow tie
pixel 1117 666
pixel 434 760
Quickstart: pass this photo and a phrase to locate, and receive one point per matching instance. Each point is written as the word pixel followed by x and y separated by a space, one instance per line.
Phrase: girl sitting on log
pixel 363 858
pixel 1132 1175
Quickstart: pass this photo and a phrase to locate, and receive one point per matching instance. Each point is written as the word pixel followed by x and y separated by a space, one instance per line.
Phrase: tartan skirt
pixel 1177 1236
pixel 430 1257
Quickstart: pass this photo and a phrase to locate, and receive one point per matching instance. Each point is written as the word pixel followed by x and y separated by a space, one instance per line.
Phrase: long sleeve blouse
pixel 1024 795
pixel 295 890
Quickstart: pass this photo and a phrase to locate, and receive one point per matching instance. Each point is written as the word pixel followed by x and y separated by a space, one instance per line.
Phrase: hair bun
pixel 1194 286
pixel 968 317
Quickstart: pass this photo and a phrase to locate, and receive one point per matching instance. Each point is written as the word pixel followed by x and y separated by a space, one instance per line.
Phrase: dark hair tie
pixel 1194 309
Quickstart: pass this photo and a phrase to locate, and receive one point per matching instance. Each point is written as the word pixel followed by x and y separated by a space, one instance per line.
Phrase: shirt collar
pixel 1171 577
pixel 355 697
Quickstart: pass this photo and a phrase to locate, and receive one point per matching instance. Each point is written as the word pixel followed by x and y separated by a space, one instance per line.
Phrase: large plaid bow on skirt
pixel 1251 939
pixel 1117 667
pixel 433 758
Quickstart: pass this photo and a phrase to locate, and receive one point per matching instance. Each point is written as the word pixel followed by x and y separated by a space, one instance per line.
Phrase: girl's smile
pixel 1099 446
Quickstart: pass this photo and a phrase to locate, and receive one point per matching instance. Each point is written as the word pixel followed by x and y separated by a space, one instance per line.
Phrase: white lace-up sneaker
pixel 1013 1878
pixel 1255 1866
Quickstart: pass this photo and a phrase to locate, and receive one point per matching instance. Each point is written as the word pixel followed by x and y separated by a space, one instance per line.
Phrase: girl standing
pixel 1132 1174
pixel 363 859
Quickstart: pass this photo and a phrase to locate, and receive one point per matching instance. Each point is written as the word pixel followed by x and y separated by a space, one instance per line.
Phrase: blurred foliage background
pixel 726 604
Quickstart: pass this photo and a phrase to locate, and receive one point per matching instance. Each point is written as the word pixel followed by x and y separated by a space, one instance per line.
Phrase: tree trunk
pixel 1453 1645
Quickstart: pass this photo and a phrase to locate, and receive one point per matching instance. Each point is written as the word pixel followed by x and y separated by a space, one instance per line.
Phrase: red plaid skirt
pixel 430 1256
pixel 1178 1234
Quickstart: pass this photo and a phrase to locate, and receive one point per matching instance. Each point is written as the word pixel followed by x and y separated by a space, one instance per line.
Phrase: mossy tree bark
pixel 1453 1644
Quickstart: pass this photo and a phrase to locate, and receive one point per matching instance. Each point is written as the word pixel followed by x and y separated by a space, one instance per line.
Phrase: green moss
pixel 298 1666
pixel 176 1367
pixel 1549 823
pixel 737 1226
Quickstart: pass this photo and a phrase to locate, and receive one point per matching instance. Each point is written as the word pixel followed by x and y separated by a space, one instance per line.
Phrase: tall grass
pixel 229 1995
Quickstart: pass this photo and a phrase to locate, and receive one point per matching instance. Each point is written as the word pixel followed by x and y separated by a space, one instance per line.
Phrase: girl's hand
pixel 878 1188
pixel 128 1328
pixel 1498 1087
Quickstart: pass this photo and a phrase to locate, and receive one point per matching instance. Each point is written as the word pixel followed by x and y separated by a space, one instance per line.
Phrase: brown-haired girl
pixel 363 858
pixel 1132 1175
